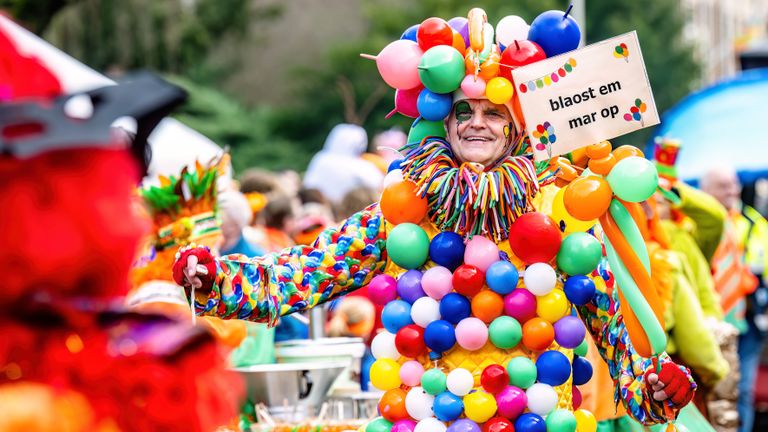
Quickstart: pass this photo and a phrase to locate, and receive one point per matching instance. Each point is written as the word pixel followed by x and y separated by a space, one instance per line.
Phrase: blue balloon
pixel 463 425
pixel 502 277
pixel 447 406
pixel 555 32
pixel 455 307
pixel 434 106
pixel 440 336
pixel 579 289
pixel 396 315
pixel 410 33
pixel 530 422
pixel 582 370
pixel 395 164
pixel 553 368
pixel 447 250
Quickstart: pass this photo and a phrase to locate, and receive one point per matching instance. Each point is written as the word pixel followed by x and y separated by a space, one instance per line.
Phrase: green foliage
pixel 34 14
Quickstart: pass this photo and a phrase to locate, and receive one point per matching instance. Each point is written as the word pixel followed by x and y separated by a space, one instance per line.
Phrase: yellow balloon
pixel 479 406
pixel 499 90
pixel 563 219
pixel 585 421
pixel 385 374
pixel 553 306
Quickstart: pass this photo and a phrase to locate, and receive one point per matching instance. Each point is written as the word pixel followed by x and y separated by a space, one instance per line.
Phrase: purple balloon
pixel 461 25
pixel 569 331
pixel 406 425
pixel 463 425
pixel 409 286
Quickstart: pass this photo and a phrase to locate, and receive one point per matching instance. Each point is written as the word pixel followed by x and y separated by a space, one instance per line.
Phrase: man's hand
pixel 670 383
pixel 195 268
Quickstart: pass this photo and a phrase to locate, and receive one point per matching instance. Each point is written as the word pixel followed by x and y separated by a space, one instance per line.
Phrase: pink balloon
pixel 511 402
pixel 471 334
pixel 411 372
pixel 520 304
pixel 481 253
pixel 437 282
pixel 405 101
pixel 382 289
pixel 406 425
pixel 473 87
pixel 398 64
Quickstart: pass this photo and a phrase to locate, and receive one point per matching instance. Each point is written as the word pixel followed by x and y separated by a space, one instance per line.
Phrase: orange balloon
pixel 567 171
pixel 487 305
pixel 400 204
pixel 458 43
pixel 586 198
pixel 392 405
pixel 599 150
pixel 625 151
pixel 602 166
pixel 487 69
pixel 538 334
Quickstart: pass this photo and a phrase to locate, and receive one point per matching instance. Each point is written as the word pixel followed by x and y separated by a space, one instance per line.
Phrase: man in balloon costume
pixel 486 301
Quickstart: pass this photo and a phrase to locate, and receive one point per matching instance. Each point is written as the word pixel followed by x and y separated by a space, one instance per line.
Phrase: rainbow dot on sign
pixel 554 77
pixel 539 83
pixel 547 80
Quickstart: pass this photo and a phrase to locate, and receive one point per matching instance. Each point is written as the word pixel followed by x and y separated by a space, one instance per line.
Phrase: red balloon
pixel 432 32
pixel 409 341
pixel 534 237
pixel 576 398
pixel 498 424
pixel 519 53
pixel 494 378
pixel 468 280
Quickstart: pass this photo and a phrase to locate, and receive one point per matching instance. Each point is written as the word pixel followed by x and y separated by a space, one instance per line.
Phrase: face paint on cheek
pixel 462 112
pixel 507 129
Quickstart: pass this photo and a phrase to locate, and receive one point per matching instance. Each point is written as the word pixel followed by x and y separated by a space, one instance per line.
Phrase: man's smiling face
pixel 479 130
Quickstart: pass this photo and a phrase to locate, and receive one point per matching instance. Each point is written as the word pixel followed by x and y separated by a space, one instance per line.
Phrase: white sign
pixel 585 96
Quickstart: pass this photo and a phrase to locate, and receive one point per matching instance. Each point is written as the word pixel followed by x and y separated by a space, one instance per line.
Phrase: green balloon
pixel 421 129
pixel 561 420
pixel 408 245
pixel 505 332
pixel 579 254
pixel 379 424
pixel 522 372
pixel 433 381
pixel 631 232
pixel 633 179
pixel 581 350
pixel 441 69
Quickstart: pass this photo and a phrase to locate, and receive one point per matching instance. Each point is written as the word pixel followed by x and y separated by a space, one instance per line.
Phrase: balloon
pixel 486 69
pixel 579 289
pixel 522 372
pixel 398 64
pixel 405 425
pixel 502 277
pixel 530 422
pixel 421 129
pixel 552 306
pixel 406 101
pixel 561 420
pixel 447 406
pixel 385 374
pixel 410 33
pixel 434 106
pixel 479 406
pixel 520 304
pixel 511 28
pixel 409 341
pixel 437 282
pixel 585 421
pixel 602 166
pixel 410 373
pixel 569 332
pixel 392 177
pixel 460 381
pixel 433 32
pixel 579 254
pixel 499 90
pixel 447 249
pixel 534 238
pixel 505 332
pixel 582 371
pixel 556 32
pixel 433 381
pixel 395 165
pixel 454 308
pixel 481 253
pixel 471 334
pixel 542 398
pixel 396 315
pixel 409 287
pixel 379 425
pixel 540 278
pixel 498 424
pixel 633 179
pixel 625 151
pixel 400 203
pixel 408 245
pixel 383 346
pixel 586 198
pixel 464 425
pixel 487 306
pixel 598 150
pixel 494 378
pixel 458 43
pixel 511 402
pixel 430 425
pixel 424 311
pixel 457 23
pixel 441 69
pixel 567 223
pixel 554 368
pixel 473 87
pixel 519 53
pixel 382 289
pixel 418 403
pixel 538 334
pixel 392 404
pixel 468 280
pixel 576 398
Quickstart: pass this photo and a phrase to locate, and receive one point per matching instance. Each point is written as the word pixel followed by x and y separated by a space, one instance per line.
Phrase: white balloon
pixel 510 29
pixel 460 382
pixel 392 177
pixel 383 346
pixel 542 399
pixel 430 425
pixel 418 403
pixel 425 310
pixel 540 278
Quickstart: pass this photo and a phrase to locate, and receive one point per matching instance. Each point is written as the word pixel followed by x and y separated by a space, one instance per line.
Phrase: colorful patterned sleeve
pixel 264 288
pixel 626 366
